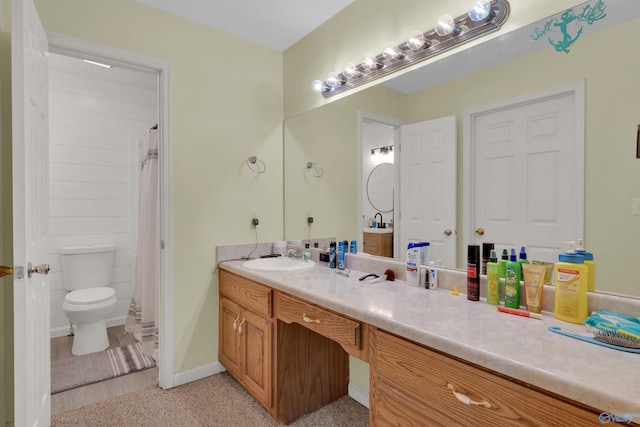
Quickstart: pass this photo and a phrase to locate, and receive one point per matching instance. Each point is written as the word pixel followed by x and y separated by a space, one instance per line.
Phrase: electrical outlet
pixel 635 207
pixel 309 220
pixel 255 222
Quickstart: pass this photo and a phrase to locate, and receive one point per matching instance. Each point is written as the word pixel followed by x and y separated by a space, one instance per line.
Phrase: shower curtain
pixel 142 317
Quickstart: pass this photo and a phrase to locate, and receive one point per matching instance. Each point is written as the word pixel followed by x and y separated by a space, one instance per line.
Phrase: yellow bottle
pixel 590 263
pixel 572 281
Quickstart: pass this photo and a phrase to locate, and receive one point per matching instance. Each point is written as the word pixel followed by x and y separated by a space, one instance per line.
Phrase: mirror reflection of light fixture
pixel 384 150
pixel 483 17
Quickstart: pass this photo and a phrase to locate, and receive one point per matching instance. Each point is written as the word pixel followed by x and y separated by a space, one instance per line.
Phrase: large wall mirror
pixel 605 57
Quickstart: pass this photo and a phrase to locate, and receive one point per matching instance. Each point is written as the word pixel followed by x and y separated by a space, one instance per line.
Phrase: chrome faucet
pixel 295 253
pixel 379 223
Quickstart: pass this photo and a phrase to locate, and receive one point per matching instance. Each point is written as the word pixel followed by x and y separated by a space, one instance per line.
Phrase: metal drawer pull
pixel 235 323
pixel 465 399
pixel 240 326
pixel 310 320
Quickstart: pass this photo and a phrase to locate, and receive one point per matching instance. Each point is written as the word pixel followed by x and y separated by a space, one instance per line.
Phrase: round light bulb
pixel 480 10
pixel 369 62
pixel 391 52
pixel 317 85
pixel 333 80
pixel 445 26
pixel 351 71
pixel 416 40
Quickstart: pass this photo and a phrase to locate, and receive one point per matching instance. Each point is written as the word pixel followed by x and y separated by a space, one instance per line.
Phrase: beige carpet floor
pixel 213 401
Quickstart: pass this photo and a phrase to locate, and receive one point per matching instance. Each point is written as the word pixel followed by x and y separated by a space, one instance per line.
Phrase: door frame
pixel 367 117
pixel 74 47
pixel 577 89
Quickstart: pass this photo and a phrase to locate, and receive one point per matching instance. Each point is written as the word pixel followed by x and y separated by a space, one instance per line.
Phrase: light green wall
pixel 6 256
pixel 330 139
pixel 608 62
pixel 227 106
pixel 368 25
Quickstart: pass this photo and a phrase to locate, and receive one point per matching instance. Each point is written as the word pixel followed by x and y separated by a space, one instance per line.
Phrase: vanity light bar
pixel 405 54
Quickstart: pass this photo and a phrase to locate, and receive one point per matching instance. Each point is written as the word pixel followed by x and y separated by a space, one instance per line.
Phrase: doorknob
pixel 39 269
pixel 480 231
pixel 448 232
pixel 5 271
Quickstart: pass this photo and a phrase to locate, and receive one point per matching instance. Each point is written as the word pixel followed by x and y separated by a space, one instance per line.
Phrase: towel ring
pixel 314 170
pixel 256 165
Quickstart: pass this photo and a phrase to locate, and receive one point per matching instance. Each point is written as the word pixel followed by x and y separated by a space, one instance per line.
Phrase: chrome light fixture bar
pixel 484 17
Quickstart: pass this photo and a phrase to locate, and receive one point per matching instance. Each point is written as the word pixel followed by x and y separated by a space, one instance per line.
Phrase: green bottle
pixel 493 279
pixel 503 263
pixel 512 282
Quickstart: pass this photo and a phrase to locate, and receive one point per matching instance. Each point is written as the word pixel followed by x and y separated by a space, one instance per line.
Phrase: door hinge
pixel 161 244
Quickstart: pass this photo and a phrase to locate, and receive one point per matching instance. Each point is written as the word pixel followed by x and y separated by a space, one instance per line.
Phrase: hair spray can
pixel 473 273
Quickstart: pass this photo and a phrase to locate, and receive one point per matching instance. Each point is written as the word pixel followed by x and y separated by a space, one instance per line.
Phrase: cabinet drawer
pixel 431 378
pixel 336 327
pixel 247 293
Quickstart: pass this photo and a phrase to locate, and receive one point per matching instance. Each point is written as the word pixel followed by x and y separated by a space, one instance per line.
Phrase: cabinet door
pixel 256 333
pixel 229 340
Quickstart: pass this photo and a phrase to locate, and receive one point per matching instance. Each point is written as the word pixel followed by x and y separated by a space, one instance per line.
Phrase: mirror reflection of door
pixel 428 177
pixel 527 176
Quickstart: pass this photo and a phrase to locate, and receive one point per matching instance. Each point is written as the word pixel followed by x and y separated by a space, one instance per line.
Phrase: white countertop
pixel 378 230
pixel 519 347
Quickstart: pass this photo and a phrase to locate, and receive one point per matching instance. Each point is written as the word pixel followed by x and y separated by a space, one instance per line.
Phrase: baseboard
pixel 197 373
pixel 359 394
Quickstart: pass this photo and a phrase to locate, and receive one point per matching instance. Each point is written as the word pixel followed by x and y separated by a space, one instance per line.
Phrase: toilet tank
pixel 86 266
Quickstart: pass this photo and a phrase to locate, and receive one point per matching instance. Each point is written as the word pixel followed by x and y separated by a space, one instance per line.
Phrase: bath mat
pixel 95 367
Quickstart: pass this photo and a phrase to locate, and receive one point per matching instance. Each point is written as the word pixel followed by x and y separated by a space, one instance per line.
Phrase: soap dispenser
pixel 589 261
pixel 571 299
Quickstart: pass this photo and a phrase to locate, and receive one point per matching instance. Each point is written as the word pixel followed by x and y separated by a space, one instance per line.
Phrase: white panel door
pixel 428 187
pixel 527 184
pixel 30 128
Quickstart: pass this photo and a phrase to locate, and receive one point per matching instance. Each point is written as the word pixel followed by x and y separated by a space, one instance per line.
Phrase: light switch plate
pixel 635 207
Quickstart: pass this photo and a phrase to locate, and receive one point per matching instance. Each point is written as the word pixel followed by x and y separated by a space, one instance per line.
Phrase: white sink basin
pixel 278 264
pixel 378 230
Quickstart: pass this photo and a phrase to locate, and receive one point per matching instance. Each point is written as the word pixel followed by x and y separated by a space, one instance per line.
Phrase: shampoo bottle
pixel 433 275
pixel 341 252
pixel 591 265
pixel 332 255
pixel 307 252
pixel 473 272
pixel 512 282
pixel 571 299
pixel 523 257
pixel 413 263
pixel 503 263
pixel 493 279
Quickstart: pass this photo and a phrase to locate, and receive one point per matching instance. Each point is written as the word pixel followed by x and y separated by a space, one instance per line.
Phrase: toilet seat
pixel 89 296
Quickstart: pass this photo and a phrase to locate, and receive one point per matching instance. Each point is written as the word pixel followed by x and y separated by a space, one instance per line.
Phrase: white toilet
pixel 86 272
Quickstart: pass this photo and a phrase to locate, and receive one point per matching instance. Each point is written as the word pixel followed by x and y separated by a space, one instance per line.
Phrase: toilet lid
pixel 90 296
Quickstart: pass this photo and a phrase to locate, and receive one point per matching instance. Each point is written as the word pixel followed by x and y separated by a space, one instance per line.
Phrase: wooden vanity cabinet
pixel 412 385
pixel 246 334
pixel 380 244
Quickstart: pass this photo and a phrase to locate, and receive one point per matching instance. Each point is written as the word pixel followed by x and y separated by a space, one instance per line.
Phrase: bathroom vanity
pixel 434 358
pixel 378 241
